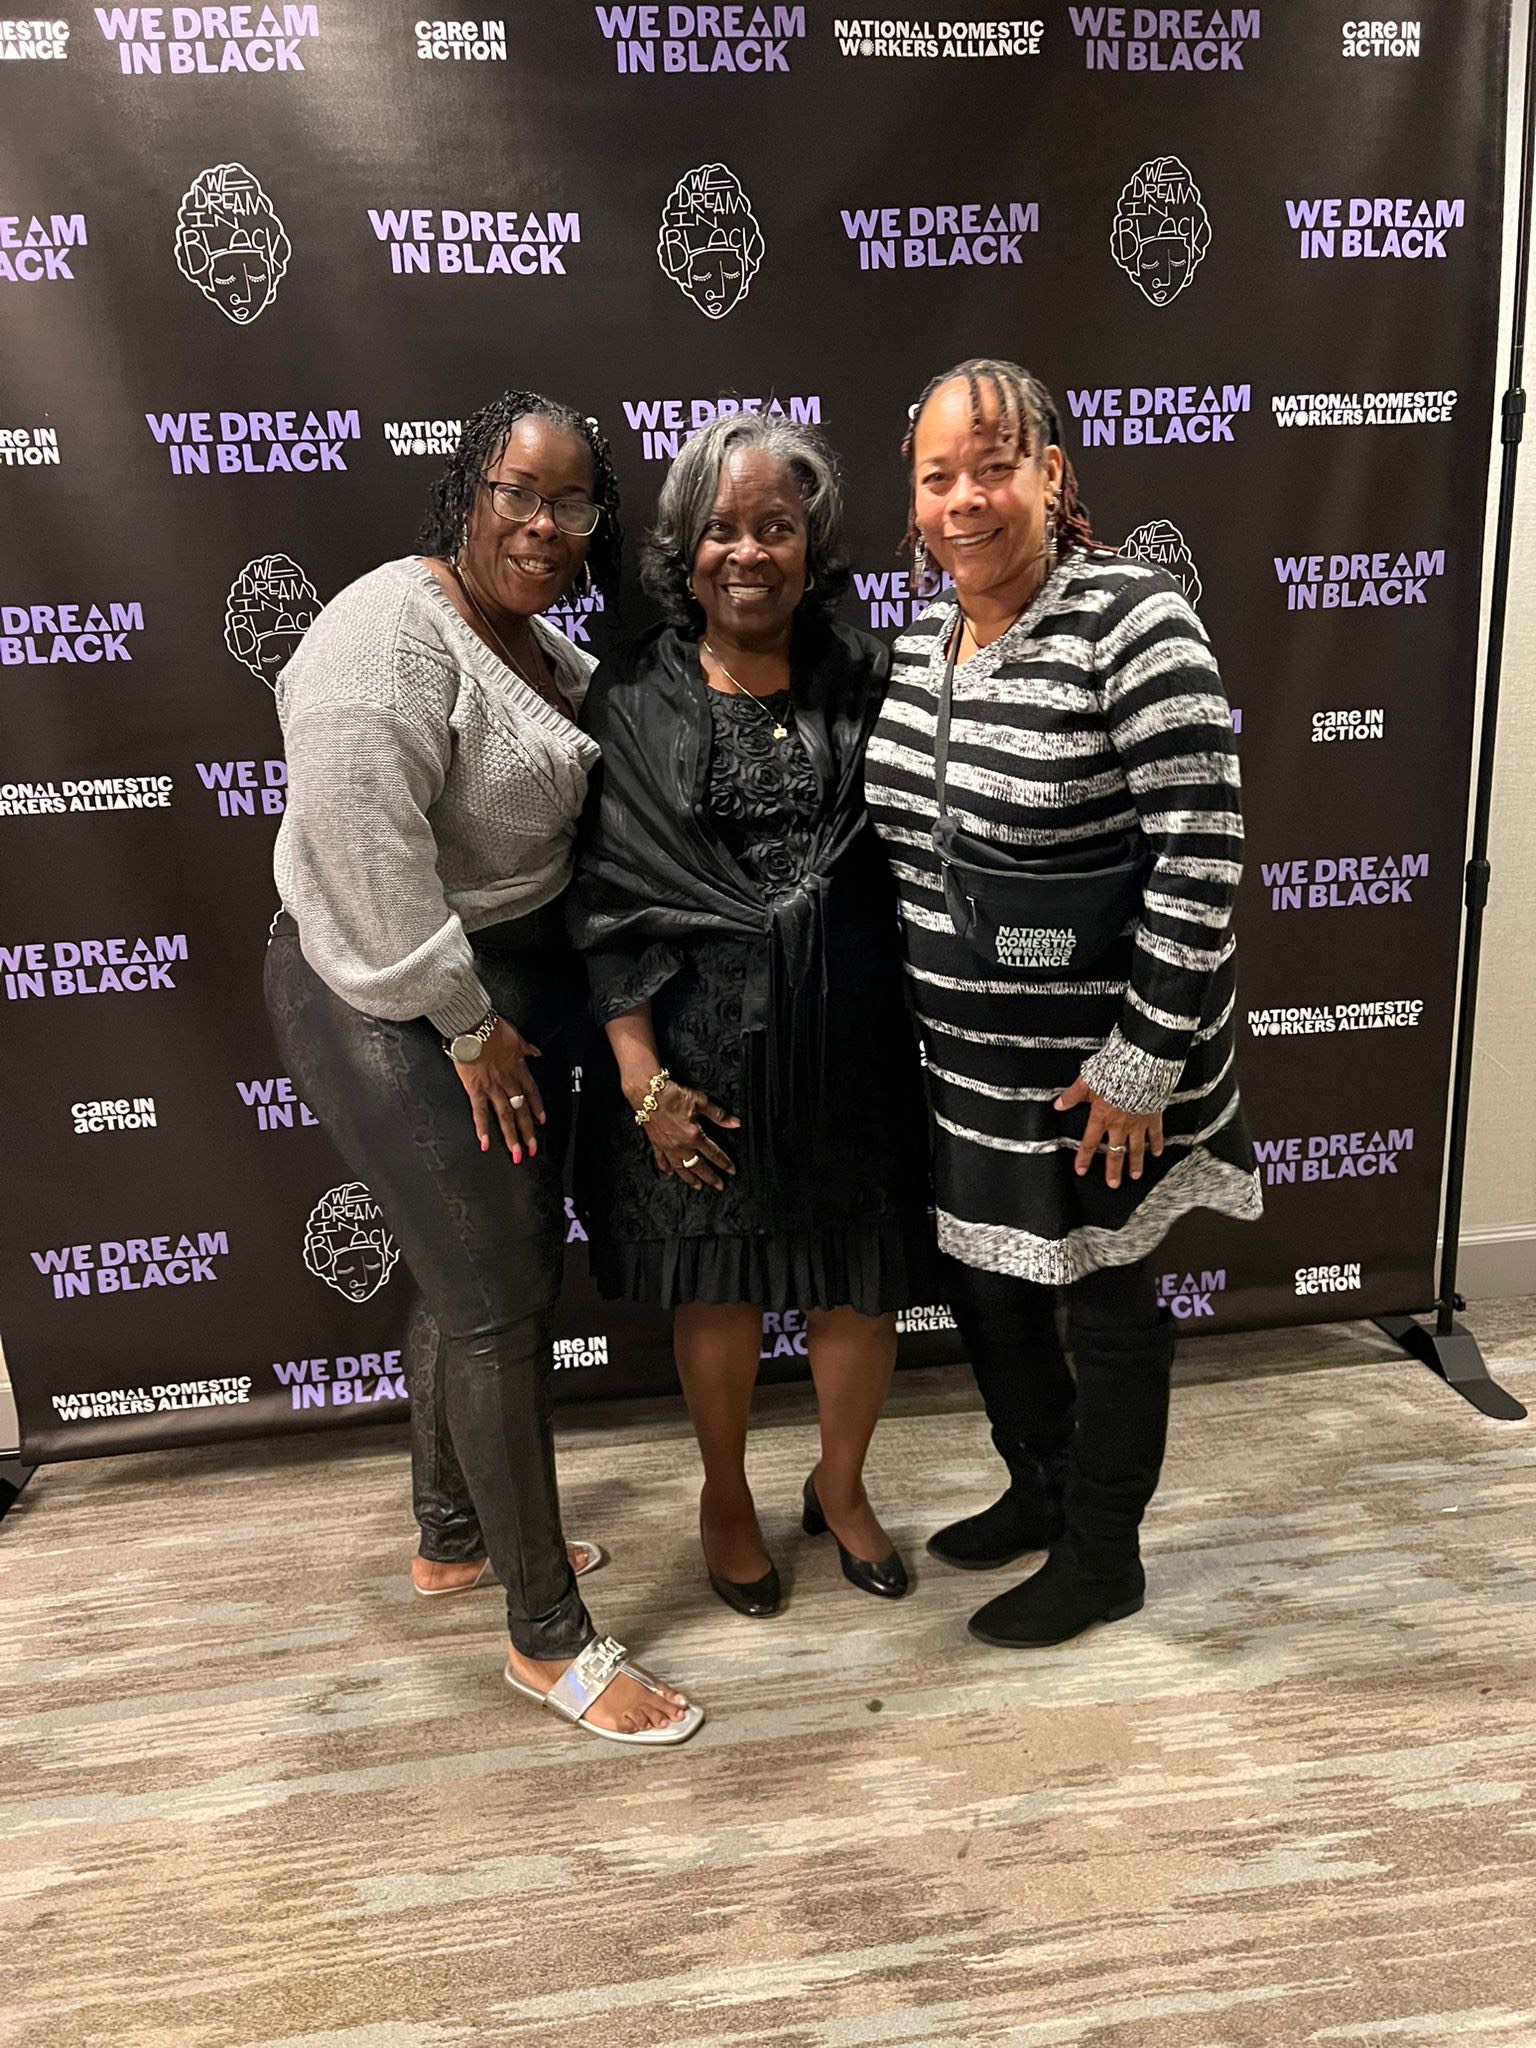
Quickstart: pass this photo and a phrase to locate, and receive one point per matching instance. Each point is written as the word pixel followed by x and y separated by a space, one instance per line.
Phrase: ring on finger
pixel 516 1101
pixel 692 1159
pixel 1115 1148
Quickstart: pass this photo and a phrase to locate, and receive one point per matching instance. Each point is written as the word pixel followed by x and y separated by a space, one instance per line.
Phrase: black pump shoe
pixel 754 1597
pixel 887 1579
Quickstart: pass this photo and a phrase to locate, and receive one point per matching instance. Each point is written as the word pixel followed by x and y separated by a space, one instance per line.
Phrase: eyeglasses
pixel 519 504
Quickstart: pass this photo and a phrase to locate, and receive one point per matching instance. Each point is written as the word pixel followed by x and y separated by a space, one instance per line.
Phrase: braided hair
pixel 480 447
pixel 1025 406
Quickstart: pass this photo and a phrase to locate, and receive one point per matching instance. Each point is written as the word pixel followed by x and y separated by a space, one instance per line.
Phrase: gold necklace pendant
pixel 780 731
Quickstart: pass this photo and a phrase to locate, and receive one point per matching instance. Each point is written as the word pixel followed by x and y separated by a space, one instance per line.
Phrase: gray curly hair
pixel 688 497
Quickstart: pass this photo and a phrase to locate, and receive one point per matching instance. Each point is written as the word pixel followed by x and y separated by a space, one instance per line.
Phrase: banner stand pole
pixel 1448 1347
pixel 13 1477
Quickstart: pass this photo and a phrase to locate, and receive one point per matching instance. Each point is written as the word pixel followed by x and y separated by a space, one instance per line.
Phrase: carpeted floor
pixel 254 1796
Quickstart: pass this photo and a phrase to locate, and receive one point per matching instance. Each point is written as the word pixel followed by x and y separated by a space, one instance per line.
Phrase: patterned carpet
pixel 254 1796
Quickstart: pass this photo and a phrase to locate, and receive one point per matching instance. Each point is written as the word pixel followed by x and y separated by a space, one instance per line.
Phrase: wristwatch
pixel 466 1048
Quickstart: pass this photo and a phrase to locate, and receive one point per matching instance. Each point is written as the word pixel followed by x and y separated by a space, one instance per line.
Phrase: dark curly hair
pixel 688 496
pixel 481 442
pixel 1024 404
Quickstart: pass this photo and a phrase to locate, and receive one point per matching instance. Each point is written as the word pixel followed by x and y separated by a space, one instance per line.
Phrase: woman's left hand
pixel 1124 1136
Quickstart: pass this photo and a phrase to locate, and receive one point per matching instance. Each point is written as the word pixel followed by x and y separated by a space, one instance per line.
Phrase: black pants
pixel 1108 1425
pixel 440 1496
pixel 484 1239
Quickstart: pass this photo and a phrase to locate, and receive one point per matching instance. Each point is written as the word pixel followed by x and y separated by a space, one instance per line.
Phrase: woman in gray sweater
pixel 419 968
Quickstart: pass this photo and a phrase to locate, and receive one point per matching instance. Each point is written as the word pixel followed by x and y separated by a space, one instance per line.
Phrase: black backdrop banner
pixel 256 264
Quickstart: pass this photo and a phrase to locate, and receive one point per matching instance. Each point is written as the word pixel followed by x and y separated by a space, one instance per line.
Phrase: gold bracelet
pixel 652 1096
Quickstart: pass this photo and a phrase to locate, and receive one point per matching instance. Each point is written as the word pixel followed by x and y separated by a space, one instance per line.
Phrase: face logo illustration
pixel 347 1243
pixel 1160 542
pixel 1161 229
pixel 271 606
pixel 269 611
pixel 710 243
pixel 230 242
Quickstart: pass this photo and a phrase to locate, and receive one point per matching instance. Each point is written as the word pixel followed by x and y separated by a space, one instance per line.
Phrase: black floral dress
pixel 848 1222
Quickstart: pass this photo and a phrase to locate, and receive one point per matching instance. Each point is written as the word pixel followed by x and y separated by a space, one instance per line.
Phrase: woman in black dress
pixel 757 1142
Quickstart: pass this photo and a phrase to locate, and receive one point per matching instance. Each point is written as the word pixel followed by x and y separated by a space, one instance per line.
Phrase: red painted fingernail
pixel 517 1155
pixel 485 1144
pixel 533 1148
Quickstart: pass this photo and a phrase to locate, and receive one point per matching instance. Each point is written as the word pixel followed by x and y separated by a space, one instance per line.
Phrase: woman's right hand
pixel 679 1141
pixel 502 1090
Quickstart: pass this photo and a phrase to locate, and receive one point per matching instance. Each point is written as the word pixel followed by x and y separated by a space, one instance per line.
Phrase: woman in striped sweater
pixel 1082 1100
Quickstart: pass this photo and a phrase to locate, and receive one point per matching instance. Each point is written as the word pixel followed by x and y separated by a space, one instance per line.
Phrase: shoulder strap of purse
pixel 946 693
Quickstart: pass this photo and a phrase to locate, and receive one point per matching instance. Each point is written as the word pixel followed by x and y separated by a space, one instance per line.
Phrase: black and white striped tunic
pixel 1100 708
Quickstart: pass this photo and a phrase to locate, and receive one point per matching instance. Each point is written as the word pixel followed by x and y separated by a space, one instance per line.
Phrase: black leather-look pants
pixel 484 1239
pixel 440 1496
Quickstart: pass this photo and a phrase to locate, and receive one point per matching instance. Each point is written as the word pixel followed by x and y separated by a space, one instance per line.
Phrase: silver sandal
pixel 593 1555
pixel 582 1684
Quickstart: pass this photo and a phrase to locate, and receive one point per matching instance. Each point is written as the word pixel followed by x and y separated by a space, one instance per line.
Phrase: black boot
pixel 1027 1517
pixel 1062 1599
pixel 1009 1330
pixel 1123 1347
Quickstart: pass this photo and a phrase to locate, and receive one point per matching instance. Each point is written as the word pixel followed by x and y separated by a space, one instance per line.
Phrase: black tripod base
pixel 1454 1355
pixel 13 1477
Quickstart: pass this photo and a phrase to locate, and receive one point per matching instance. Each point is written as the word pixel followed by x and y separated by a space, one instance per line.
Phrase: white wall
pixel 10 1436
pixel 1499 1216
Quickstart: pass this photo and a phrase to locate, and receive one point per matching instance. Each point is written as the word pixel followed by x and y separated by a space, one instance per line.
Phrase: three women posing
pixel 759 1138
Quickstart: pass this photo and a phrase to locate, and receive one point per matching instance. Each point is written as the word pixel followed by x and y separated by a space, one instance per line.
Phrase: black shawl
pixel 652 875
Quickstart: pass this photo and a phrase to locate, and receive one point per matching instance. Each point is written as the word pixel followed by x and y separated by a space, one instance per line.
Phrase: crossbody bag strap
pixel 946 694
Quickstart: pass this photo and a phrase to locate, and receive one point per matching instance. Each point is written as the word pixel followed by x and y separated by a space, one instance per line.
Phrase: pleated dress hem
pixel 877 1267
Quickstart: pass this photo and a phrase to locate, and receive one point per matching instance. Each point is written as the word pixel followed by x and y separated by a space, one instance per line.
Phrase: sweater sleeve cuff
pixel 464 1005
pixel 1130 1078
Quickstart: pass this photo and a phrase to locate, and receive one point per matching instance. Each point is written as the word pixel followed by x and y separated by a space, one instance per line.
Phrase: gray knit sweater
pixel 431 792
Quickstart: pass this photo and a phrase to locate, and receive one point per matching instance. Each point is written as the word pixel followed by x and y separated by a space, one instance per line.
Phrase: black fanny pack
pixel 1054 910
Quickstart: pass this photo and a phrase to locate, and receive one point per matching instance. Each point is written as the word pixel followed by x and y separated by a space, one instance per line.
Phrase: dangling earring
pixel 584 583
pixel 919 568
pixel 1050 528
